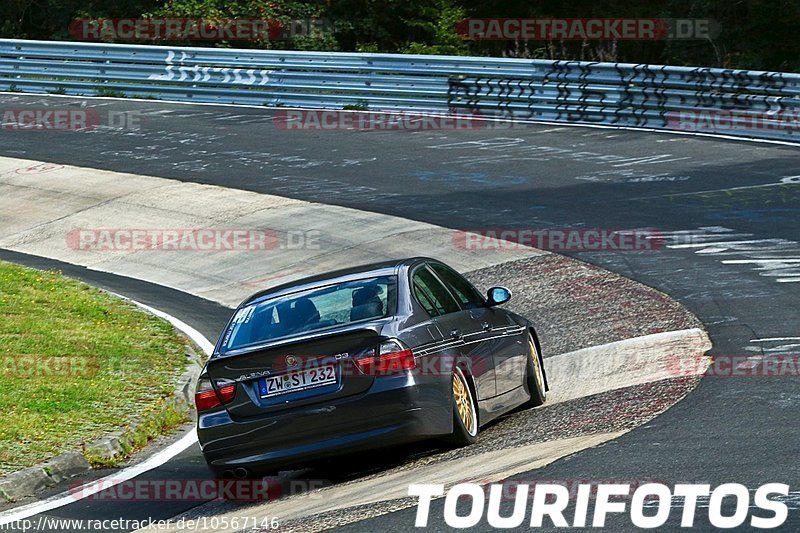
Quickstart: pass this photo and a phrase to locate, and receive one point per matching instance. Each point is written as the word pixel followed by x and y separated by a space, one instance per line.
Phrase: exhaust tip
pixel 228 474
pixel 241 473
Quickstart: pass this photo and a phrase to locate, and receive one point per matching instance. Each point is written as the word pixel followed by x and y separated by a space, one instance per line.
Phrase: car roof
pixel 382 268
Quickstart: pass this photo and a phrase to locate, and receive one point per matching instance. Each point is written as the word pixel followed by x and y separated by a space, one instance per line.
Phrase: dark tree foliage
pixel 753 34
pixel 49 19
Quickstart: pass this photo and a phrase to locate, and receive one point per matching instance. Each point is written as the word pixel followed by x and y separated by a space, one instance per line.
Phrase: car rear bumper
pixel 395 410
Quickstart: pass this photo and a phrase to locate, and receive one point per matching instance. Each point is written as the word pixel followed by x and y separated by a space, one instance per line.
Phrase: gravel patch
pixel 573 305
pixel 576 305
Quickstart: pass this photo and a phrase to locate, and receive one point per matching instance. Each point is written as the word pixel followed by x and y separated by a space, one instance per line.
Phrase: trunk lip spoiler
pixel 373 324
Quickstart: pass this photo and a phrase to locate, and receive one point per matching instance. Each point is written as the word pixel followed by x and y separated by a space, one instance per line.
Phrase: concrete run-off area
pixel 602 334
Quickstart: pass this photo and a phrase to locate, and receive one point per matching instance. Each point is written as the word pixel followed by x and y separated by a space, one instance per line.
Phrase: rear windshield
pixel 311 310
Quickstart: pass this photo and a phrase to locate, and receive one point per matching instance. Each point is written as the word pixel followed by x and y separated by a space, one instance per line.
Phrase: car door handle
pixel 456 334
pixel 486 326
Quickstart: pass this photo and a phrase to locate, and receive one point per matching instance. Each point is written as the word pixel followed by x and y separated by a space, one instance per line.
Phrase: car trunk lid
pixel 295 372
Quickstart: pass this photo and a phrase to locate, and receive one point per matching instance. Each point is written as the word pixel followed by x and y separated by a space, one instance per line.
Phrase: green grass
pixel 360 106
pixel 75 365
pixel 110 93
pixel 161 420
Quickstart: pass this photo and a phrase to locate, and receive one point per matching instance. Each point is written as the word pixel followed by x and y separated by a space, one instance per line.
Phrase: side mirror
pixel 497 296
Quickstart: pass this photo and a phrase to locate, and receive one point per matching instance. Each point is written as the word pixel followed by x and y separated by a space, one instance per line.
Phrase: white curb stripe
pixel 158 459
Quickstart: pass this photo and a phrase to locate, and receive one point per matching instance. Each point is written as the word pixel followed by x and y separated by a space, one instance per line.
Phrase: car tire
pixel 465 412
pixel 534 375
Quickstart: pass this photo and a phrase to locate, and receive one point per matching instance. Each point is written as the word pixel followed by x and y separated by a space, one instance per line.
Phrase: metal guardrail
pixel 737 102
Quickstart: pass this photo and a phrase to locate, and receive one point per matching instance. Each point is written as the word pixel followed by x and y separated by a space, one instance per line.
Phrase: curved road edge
pixel 114 200
pixel 597 369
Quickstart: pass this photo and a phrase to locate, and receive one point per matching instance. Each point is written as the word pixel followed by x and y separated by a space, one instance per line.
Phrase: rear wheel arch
pixel 538 346
pixel 460 434
pixel 473 389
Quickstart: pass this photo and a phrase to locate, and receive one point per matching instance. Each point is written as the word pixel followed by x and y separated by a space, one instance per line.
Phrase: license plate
pixel 308 378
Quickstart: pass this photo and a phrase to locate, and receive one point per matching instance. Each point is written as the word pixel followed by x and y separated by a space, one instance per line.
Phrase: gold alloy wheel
pixel 536 365
pixel 464 405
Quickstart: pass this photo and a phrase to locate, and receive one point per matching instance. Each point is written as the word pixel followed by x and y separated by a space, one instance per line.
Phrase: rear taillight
pixel 207 398
pixel 392 358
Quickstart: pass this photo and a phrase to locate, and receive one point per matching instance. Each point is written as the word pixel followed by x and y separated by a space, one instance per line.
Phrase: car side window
pixel 431 294
pixel 467 295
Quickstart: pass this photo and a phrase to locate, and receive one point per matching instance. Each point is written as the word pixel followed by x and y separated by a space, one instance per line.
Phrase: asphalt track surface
pixel 739 429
